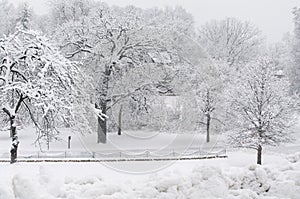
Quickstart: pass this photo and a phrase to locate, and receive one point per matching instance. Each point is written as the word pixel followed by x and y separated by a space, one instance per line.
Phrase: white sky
pixel 273 17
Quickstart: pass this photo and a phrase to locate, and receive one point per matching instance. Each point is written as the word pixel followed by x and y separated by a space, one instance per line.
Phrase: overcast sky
pixel 273 17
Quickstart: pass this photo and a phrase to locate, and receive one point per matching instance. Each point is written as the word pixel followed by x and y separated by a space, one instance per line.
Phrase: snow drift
pixel 204 181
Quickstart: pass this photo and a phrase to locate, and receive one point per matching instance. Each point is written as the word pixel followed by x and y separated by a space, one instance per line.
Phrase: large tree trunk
pixel 15 141
pixel 102 126
pixel 10 132
pixel 13 129
pixel 13 133
pixel 259 153
pixel 120 121
pixel 207 127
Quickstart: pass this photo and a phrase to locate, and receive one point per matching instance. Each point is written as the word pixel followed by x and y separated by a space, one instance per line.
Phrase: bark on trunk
pixel 207 127
pixel 120 121
pixel 102 127
pixel 259 153
pixel 11 134
pixel 15 141
pixel 13 129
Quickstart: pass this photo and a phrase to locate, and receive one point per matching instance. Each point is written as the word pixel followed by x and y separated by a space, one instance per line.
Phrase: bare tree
pixel 230 40
pixel 8 18
pixel 295 73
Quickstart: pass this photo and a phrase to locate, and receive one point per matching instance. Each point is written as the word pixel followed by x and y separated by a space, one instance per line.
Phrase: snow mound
pixel 5 192
pixel 24 187
pixel 253 182
pixel 280 181
pixel 88 187
pixel 294 157
pixel 254 178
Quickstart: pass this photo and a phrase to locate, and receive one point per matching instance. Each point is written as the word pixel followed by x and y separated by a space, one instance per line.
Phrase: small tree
pixel 207 106
pixel 261 108
pixel 209 90
pixel 35 78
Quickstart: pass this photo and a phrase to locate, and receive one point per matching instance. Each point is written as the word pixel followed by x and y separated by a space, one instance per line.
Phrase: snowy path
pixel 130 144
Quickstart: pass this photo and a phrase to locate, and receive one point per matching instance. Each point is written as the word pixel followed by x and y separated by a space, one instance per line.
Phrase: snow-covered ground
pixel 236 177
pixel 129 141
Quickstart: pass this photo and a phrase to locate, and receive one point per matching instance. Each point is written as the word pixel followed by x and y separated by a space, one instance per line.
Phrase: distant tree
pixel 281 52
pixel 63 11
pixel 296 51
pixel 24 16
pixel 36 78
pixel 8 18
pixel 230 40
pixel 200 84
pixel 209 89
pixel 262 108
pixel 282 55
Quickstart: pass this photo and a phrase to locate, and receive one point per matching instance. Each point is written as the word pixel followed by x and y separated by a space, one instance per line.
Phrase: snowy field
pixel 236 177
pixel 130 142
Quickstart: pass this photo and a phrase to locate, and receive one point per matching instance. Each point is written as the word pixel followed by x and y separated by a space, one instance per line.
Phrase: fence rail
pixel 133 154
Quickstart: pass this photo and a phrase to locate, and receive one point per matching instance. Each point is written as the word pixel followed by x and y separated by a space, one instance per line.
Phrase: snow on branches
pixel 34 69
pixel 262 106
pixel 36 79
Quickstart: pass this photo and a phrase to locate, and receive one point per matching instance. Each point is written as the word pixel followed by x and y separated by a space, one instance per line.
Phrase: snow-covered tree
pixel 208 97
pixel 35 78
pixel 262 108
pixel 24 16
pixel 230 40
pixel 296 51
pixel 63 11
pixel 281 54
pixel 8 18
pixel 114 42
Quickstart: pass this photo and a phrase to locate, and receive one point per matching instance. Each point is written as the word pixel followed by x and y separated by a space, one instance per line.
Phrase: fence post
pixel 65 154
pixel 94 154
pixel 69 142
